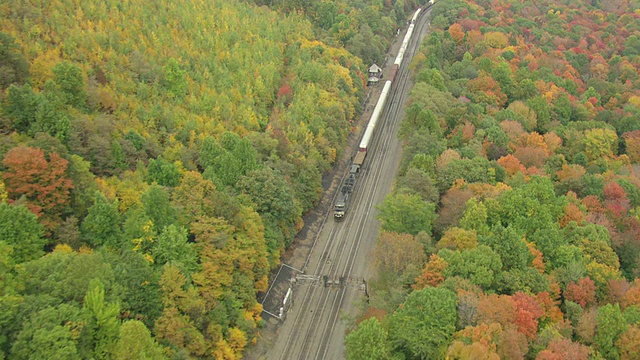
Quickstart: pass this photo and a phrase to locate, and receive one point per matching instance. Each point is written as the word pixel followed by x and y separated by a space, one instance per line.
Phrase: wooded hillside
pixel 513 231
pixel 157 158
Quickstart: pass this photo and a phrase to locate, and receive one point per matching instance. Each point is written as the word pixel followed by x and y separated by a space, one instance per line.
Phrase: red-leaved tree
pixel 527 314
pixel 42 182
pixel 583 292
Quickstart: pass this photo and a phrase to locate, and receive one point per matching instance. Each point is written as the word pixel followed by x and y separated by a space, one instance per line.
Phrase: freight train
pixel 342 202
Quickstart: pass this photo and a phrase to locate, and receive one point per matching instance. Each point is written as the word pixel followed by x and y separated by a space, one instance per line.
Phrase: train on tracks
pixel 342 202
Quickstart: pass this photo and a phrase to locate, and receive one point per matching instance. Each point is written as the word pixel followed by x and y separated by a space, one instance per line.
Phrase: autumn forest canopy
pixel 513 230
pixel 157 158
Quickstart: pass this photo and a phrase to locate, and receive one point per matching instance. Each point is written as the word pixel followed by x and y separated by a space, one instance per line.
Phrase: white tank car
pixel 415 16
pixel 366 138
pixel 405 44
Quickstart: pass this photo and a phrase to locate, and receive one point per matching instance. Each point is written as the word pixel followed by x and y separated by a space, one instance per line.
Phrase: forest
pixel 157 159
pixel 513 231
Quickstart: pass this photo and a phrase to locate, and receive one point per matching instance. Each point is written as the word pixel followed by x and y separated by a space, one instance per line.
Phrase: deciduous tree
pixel 14 69
pixel 432 274
pixel 479 265
pixel 510 246
pixel 50 333
pixel 527 314
pixel 102 224
pixel 368 342
pixel 403 213
pixel 172 247
pixel 611 325
pixel 163 172
pixel 564 349
pixel 629 343
pixel 158 207
pixel 495 308
pixel 135 342
pixel 600 143
pixel 100 333
pixel 70 81
pixel 395 252
pixel 458 239
pixel 43 182
pixel 19 228
pixel 583 292
pixel 513 344
pixel 632 142
pixel 424 325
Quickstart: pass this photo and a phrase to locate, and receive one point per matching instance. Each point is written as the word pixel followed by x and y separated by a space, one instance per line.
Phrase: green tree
pixel 135 285
pixel 226 171
pixel 225 163
pixel 503 75
pixel 119 157
pixel 509 244
pixel 84 185
pixel 247 155
pixel 366 45
pixel 562 108
pixel 172 247
pixel 49 334
pixel 368 342
pixel 420 119
pixel 70 81
pixel 475 217
pixel 274 200
pixel 528 280
pixel 433 78
pixel 162 172
pixel 480 265
pixel 540 107
pixel 632 46
pixel 175 80
pixel 12 306
pixel 20 107
pixel 50 114
pixel 471 170
pixel 14 69
pixel 19 228
pixel 64 276
pixel 100 333
pixel 530 207
pixel 102 224
pixel 158 207
pixel 404 213
pixel 611 324
pixel 418 182
pixel 423 327
pixel 135 343
pixel 209 151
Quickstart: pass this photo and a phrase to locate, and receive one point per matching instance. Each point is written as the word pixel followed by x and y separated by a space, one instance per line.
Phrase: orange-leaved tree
pixel 432 274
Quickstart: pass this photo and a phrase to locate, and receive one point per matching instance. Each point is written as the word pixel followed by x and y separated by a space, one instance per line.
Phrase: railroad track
pixel 312 328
